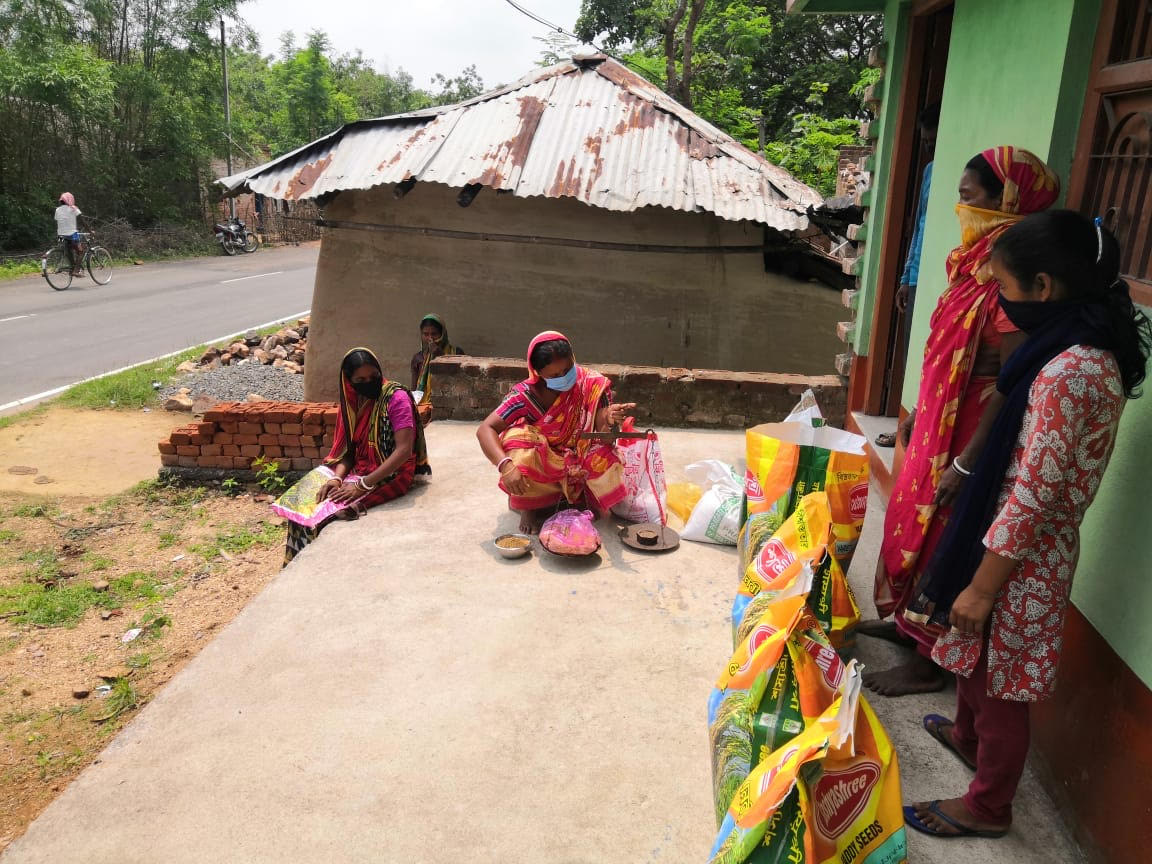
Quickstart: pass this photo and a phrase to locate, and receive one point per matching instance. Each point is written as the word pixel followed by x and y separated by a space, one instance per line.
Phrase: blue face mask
pixel 564 383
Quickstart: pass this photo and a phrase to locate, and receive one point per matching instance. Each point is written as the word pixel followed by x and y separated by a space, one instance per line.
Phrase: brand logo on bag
pixel 753 488
pixel 858 501
pixel 842 795
pixel 774 559
pixel 827 660
pixel 755 639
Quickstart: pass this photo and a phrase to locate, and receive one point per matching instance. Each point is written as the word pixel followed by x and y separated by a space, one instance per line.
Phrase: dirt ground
pixel 100 551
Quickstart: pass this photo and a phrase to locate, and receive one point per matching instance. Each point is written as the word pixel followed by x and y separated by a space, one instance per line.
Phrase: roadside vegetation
pixel 102 601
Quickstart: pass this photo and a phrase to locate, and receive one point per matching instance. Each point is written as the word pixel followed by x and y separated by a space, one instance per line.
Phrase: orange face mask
pixel 976 222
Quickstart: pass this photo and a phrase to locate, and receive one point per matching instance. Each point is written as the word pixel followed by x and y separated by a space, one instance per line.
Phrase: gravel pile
pixel 234 383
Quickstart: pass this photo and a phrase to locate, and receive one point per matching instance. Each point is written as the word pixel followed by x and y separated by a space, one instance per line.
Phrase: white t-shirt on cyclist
pixel 66 220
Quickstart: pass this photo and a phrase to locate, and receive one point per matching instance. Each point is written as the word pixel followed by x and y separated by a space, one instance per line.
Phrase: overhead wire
pixel 558 29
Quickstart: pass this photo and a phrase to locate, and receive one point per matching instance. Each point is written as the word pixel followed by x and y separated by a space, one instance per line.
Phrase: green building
pixel 1070 80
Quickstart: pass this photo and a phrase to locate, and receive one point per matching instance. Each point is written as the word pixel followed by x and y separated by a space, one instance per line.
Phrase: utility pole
pixel 227 117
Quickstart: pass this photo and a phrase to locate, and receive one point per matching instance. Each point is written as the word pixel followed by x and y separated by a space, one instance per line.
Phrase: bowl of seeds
pixel 513 545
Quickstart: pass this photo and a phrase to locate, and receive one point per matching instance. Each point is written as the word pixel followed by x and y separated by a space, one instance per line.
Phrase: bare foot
pixel 885 630
pixel 920 675
pixel 529 522
pixel 956 810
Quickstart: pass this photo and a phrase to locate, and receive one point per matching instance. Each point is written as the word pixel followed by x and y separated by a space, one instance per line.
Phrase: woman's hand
pixel 347 493
pixel 950 485
pixel 514 481
pixel 328 488
pixel 905 430
pixel 971 609
pixel 618 412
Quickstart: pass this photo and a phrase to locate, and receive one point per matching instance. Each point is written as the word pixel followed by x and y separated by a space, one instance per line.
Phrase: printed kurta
pixel 1064 446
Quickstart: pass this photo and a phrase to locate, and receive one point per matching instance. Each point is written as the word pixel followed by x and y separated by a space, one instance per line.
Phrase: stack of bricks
pixel 296 435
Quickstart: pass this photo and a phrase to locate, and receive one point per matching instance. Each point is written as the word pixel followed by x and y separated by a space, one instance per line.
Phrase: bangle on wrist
pixel 363 485
pixel 960 469
pixel 507 460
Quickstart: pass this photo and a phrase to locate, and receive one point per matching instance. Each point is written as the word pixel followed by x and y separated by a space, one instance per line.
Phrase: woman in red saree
pixel 969 339
pixel 377 451
pixel 533 438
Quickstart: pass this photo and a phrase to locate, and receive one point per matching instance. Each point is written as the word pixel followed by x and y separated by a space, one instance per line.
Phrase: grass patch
pixel 32 511
pixel 236 541
pixel 122 698
pixel 8 536
pixel 167 539
pixel 12 269
pixel 96 563
pixel 36 604
pixel 139 661
pixel 32 413
pixel 130 389
pixel 44 565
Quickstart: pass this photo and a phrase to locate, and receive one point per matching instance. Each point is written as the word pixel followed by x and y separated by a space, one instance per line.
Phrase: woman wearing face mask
pixel 533 437
pixel 433 343
pixel 1000 579
pixel 969 340
pixel 377 451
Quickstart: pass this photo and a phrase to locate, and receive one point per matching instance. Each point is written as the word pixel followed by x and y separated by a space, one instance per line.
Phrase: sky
pixel 422 36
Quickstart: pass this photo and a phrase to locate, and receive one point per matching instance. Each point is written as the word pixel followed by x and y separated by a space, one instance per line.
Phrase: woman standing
pixel 1002 574
pixel 969 340
pixel 534 441
pixel 433 343
pixel 376 453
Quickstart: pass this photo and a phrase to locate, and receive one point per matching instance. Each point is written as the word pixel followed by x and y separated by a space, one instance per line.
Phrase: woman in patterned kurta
pixel 1002 576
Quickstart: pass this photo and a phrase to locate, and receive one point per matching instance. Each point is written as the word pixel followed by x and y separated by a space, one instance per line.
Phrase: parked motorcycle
pixel 234 237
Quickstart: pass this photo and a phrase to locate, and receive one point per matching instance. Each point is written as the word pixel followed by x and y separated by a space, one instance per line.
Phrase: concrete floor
pixel 400 694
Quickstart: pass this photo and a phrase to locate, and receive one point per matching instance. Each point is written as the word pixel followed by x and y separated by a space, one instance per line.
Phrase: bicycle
pixel 58 270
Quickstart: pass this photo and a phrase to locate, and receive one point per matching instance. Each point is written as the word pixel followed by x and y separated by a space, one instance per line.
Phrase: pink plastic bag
pixel 570 532
pixel 643 478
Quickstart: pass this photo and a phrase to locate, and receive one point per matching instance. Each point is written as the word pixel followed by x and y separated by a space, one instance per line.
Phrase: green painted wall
pixel 1004 89
pixel 1016 75
pixel 896 21
pixel 1113 584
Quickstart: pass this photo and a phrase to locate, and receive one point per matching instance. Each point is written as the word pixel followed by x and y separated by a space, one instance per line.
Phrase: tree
pixel 466 85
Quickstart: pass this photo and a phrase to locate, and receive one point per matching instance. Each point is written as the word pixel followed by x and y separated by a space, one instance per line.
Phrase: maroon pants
pixel 998 731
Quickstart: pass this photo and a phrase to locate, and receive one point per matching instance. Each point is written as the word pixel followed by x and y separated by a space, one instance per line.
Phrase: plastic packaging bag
pixel 570 532
pixel 782 676
pixel 787 461
pixel 644 481
pixel 830 795
pixel 683 498
pixel 716 517
pixel 299 503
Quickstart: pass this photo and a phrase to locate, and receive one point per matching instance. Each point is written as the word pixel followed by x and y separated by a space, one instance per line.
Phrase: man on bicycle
pixel 67 229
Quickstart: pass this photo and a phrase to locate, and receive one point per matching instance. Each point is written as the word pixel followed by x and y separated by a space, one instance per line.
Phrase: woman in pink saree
pixel 534 441
pixel 969 339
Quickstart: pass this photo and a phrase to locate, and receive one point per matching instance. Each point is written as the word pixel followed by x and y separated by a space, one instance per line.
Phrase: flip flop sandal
pixel 933 723
pixel 886 439
pixel 913 821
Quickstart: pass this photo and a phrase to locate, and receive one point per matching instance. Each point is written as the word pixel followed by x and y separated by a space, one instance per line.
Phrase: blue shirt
pixel 912 263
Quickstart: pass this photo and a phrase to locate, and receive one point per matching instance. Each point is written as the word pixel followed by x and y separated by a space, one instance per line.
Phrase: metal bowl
pixel 515 552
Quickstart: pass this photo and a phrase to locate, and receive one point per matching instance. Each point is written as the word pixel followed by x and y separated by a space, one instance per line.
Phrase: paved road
pixel 54 338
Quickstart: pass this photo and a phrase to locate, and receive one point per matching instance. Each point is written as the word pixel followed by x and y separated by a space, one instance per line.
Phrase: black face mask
pixel 369 389
pixel 1031 315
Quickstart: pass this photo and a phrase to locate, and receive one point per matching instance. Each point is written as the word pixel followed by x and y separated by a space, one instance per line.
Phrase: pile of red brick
pixel 296 435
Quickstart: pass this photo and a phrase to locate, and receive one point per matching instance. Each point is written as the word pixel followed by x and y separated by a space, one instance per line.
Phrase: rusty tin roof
pixel 587 128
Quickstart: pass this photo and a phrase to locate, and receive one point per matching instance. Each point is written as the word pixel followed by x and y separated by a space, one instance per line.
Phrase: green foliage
pixel 130 389
pixel 120 103
pixel 268 475
pixel 812 153
pixel 231 487
pixel 236 541
pixel 788 85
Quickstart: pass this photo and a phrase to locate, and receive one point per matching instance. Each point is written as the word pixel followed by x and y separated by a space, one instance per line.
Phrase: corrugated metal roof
pixel 588 129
